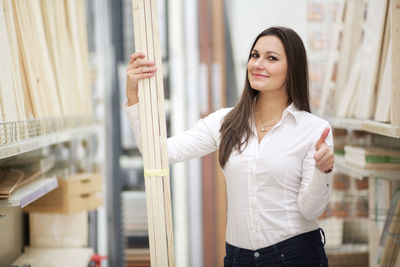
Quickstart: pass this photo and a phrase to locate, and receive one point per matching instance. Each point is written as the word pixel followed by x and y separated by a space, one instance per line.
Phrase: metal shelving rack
pixel 24 136
pixel 370 126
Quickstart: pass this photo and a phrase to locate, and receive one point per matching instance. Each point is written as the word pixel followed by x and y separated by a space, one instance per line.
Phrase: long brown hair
pixel 236 129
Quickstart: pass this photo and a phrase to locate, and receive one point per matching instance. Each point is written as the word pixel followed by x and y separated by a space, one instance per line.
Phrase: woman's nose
pixel 258 63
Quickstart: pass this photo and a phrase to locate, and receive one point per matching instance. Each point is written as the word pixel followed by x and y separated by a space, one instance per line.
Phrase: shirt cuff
pixel 132 111
pixel 319 182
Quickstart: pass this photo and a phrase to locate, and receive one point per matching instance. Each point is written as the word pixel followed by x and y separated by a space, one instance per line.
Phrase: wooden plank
pixel 219 86
pixel 382 111
pixel 395 32
pixel 138 25
pixel 163 133
pixel 349 92
pixel 47 75
pixel 389 238
pixel 154 149
pixel 208 161
pixel 83 37
pixel 70 92
pixel 371 51
pixel 9 111
pixel 330 79
pixel 9 181
pixel 379 202
pixel 157 186
pixel 350 43
pixel 30 63
pixel 23 109
pixel 50 22
pixel 77 30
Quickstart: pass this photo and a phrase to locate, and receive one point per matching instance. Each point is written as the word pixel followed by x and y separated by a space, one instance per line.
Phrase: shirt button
pixel 256 254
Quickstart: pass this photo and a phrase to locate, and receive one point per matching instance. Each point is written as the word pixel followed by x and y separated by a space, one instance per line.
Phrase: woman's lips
pixel 258 75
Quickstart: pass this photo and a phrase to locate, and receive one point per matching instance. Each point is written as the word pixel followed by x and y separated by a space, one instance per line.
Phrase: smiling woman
pixel 267 66
pixel 276 155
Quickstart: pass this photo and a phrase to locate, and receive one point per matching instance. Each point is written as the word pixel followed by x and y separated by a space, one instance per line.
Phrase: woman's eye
pixel 254 55
pixel 272 58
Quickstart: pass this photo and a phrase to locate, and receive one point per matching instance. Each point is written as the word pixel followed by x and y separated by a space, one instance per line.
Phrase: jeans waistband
pixel 312 235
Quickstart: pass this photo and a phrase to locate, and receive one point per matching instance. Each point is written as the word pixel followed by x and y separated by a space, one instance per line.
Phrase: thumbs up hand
pixel 324 158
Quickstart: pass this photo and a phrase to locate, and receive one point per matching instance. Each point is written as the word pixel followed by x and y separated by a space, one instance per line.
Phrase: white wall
pixel 248 18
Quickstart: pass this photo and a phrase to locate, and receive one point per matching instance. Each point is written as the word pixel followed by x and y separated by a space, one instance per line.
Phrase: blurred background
pixel 72 189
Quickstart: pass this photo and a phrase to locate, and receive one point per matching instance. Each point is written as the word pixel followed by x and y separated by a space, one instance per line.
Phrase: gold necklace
pixel 267 126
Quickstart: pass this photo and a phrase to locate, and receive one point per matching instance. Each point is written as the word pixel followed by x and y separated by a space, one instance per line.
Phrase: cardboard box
pixel 58 230
pixel 76 193
pixel 350 259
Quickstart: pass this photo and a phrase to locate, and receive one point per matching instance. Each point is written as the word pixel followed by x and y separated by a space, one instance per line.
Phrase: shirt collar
pixel 293 111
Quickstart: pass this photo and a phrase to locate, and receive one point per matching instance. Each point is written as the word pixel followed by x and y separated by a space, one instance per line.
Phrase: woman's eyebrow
pixel 268 52
pixel 272 52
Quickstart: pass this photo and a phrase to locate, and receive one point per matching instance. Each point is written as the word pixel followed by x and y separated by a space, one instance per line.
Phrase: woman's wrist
pixel 132 100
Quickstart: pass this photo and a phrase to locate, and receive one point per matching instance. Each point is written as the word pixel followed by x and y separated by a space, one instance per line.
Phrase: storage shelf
pixel 370 126
pixel 357 172
pixel 127 162
pixel 37 142
pixel 30 192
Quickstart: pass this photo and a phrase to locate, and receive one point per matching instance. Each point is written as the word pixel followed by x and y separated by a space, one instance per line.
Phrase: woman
pixel 275 154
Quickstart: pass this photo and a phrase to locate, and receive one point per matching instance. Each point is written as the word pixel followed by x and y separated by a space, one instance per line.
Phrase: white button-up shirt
pixel 274 190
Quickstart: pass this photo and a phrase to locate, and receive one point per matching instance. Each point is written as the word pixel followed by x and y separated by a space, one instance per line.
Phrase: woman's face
pixel 267 67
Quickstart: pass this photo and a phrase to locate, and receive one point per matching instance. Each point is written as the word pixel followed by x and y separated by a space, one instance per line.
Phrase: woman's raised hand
pixel 324 157
pixel 138 68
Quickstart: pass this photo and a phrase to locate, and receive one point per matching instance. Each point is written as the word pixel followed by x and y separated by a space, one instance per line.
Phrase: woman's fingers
pixel 135 56
pixel 137 60
pixel 324 158
pixel 326 162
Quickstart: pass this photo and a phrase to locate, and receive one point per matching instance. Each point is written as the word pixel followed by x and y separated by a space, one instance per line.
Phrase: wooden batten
pixel 48 85
pixel 349 93
pixel 350 44
pixel 77 30
pixel 50 27
pixel 371 51
pixel 152 119
pixel 384 89
pixel 328 93
pixel 163 132
pixel 23 109
pixel 69 93
pixel 9 111
pixel 219 86
pixel 383 105
pixel 32 59
pixel 395 55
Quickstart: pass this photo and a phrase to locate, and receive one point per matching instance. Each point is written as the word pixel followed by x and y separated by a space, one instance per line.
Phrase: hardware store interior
pixel 75 190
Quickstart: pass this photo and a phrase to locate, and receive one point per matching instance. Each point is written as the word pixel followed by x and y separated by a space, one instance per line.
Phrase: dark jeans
pixel 304 250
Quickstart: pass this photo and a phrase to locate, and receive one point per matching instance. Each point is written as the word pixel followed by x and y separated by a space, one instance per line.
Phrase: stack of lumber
pixel 15 176
pixel 360 80
pixel 153 126
pixel 389 244
pixel 372 157
pixel 44 69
